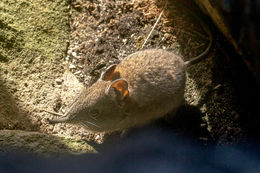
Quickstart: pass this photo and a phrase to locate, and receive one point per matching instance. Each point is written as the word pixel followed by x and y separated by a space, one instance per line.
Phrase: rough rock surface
pixel 41 144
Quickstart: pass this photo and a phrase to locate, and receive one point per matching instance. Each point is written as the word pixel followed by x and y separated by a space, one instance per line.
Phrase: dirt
pixel 50 50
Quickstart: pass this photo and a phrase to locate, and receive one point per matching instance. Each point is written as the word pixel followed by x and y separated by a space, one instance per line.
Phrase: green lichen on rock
pixel 31 28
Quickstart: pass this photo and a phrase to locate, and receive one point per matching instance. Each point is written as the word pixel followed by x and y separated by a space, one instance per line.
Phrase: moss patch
pixel 33 43
pixel 33 28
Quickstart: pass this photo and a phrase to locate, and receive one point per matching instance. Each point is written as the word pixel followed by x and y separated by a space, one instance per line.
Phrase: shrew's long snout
pixel 58 120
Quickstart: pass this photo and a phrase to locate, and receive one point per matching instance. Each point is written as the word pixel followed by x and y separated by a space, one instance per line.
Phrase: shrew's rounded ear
pixel 109 74
pixel 118 90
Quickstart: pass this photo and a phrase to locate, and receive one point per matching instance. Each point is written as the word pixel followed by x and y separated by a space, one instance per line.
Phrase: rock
pixel 74 54
pixel 58 81
pixel 72 66
pixel 41 144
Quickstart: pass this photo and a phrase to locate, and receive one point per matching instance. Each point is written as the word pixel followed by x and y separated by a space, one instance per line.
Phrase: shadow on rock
pixel 186 122
pixel 12 116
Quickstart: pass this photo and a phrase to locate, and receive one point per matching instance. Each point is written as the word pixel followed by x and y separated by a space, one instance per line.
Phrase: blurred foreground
pixel 153 150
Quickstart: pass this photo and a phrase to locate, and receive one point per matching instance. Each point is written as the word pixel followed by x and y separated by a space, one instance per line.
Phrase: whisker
pixel 94 118
pixel 84 125
pixel 101 119
pixel 53 113
pixel 93 124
